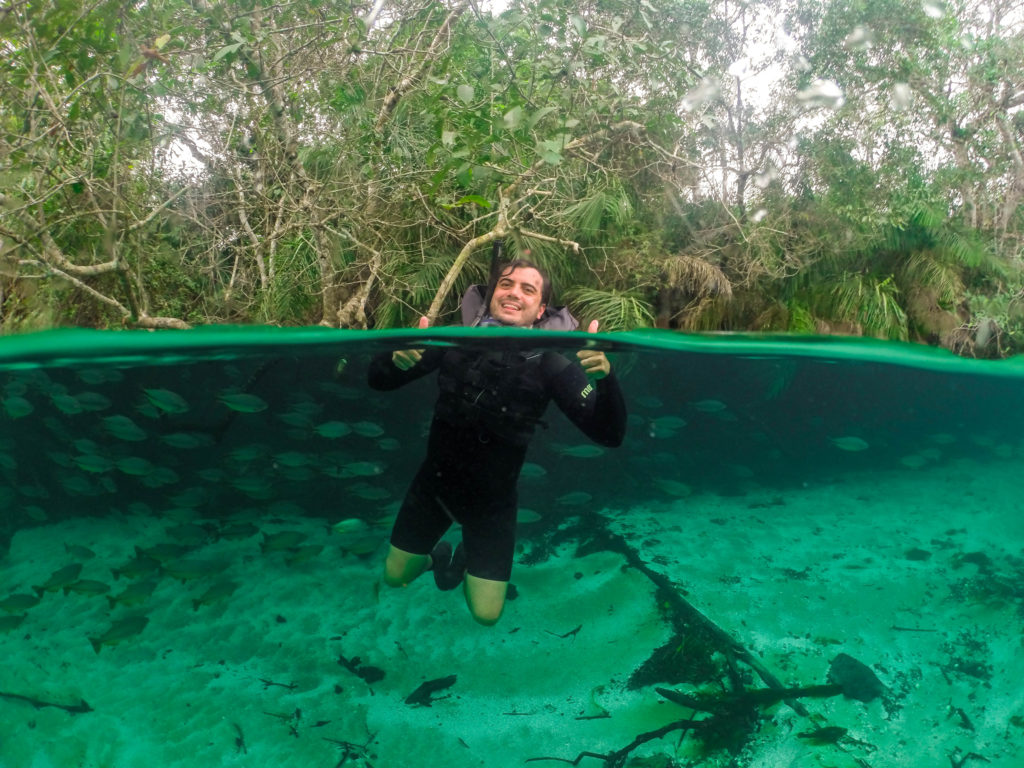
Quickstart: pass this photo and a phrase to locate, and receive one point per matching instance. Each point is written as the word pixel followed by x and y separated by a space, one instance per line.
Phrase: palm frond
pixel 696 277
pixel 604 207
pixel 926 269
pixel 871 303
pixel 616 311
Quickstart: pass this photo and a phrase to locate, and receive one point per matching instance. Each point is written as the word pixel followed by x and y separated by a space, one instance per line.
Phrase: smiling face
pixel 517 297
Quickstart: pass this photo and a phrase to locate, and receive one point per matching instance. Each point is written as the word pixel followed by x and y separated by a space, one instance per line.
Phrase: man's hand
pixel 594 363
pixel 404 359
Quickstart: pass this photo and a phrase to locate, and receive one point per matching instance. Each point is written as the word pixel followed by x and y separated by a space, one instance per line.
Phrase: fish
pixel 76 485
pixel 709 406
pixel 362 469
pixel 660 433
pixel 649 401
pixel 292 459
pixel 191 497
pixel 119 631
pixel 301 421
pixel 526 516
pixel 857 679
pixel 142 565
pixel 668 422
pixel 584 451
pixel 367 429
pixel 369 492
pixel 17 407
pixel 134 465
pixel 187 440
pixel 12 622
pixel 93 463
pixel 236 531
pixel 163 552
pixel 94 376
pixel 333 429
pixel 19 602
pixel 296 474
pixel 189 534
pixel 148 410
pixel 243 403
pixel 60 579
pixel 61 459
pixel 217 592
pixel 123 428
pixel 166 400
pixel 341 392
pixel 821 736
pixel 38 514
pixel 92 401
pixel 135 593
pixel 66 404
pixel 389 444
pixel 249 452
pixel 253 485
pixel 86 446
pixel 351 525
pixel 281 541
pixel 423 696
pixel 849 443
pixel 79 552
pixel 212 474
pixel 575 498
pixel 532 470
pixel 363 544
pixel 87 587
pixel 186 569
pixel 306 405
pixel 303 553
pixel 159 477
pixel 673 487
pixel 32 491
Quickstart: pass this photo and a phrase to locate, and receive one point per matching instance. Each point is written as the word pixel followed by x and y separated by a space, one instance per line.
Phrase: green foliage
pixel 867 301
pixel 616 310
pixel 800 319
pixel 327 152
pixel 605 209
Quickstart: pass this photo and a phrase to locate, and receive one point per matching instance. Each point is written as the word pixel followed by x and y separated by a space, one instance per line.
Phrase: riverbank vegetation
pixel 786 165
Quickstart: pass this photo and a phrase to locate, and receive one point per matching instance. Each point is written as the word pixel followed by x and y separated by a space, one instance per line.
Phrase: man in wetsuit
pixel 488 406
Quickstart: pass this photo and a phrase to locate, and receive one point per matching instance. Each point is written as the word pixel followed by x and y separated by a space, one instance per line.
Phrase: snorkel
pixel 496 250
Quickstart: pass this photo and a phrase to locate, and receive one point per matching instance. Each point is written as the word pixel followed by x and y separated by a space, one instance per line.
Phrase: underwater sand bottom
pixel 885 568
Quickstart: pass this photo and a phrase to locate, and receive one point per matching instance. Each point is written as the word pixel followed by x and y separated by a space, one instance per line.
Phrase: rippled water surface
pixel 806 552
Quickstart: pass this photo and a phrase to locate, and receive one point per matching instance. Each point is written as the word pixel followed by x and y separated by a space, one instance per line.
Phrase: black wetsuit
pixel 485 414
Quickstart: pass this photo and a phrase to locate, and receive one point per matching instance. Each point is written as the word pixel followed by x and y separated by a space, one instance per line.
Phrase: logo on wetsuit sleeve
pixel 587 390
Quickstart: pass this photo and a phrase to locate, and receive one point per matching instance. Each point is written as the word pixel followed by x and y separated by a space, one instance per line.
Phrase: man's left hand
pixel 594 363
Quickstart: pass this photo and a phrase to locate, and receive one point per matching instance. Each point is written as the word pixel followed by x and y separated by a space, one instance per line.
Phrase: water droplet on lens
pixel 859 39
pixel 707 90
pixel 901 94
pixel 821 93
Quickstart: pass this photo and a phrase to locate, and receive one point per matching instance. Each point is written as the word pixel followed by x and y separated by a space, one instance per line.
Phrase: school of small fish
pixel 201 455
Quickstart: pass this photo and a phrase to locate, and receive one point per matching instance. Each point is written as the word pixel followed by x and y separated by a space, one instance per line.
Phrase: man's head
pixel 521 294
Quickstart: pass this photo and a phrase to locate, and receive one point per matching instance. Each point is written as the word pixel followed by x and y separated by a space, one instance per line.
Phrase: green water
pixel 778 507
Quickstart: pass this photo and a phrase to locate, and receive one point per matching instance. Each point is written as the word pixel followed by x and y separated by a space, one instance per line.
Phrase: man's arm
pixel 597 408
pixel 385 373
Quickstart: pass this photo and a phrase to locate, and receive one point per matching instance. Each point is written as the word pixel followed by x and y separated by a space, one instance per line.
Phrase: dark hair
pixel 509 267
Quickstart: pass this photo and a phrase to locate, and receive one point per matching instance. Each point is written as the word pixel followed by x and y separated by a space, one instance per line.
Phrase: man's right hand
pixel 404 359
